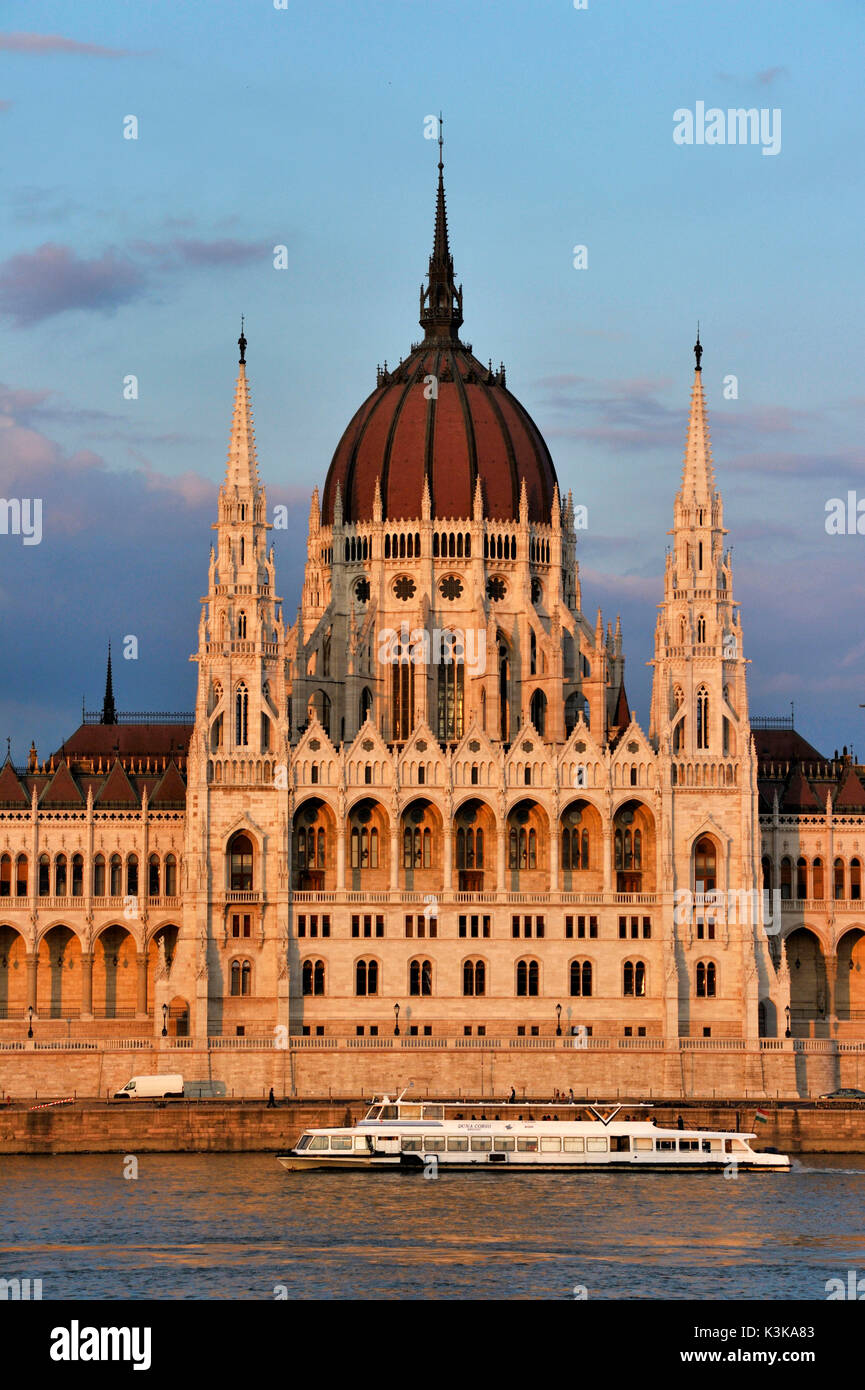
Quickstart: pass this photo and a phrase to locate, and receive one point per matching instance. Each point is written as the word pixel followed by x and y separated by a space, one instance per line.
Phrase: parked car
pixel 151 1087
pixel 845 1093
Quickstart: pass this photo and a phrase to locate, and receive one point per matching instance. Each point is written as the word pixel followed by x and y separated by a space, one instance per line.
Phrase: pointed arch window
pixel 474 978
pixel 528 978
pixel 241 716
pixel 116 871
pixel 450 704
pixel 634 979
pixel 817 884
pixel 240 863
pixel 366 977
pixel 241 624
pixel 702 717
pixel 170 876
pixel 99 876
pixel 701 630
pixel 313 977
pixel 420 978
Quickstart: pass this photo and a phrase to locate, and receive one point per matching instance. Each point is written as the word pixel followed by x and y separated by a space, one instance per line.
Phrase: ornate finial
pixel 441 141
pixel 698 351
pixel 241 342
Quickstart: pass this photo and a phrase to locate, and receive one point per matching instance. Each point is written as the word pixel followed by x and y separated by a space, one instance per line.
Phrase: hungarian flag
pixel 761 1116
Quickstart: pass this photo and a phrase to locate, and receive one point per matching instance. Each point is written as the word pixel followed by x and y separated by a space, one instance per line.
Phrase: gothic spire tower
pixel 699 697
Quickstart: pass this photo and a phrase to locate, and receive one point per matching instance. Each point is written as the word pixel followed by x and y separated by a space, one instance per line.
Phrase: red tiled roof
pixel 171 789
pixel 473 428
pixel 798 795
pixel 11 791
pixel 62 790
pixel 851 795
pixel 116 790
pixel 784 745
pixel 129 740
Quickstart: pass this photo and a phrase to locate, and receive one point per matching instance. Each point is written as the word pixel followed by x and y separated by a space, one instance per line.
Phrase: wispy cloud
pixel 58 43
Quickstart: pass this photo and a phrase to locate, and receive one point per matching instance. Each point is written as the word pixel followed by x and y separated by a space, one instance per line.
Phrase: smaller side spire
pixel 109 711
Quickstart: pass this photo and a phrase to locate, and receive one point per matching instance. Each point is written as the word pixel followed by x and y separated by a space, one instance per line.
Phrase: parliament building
pixel 424 809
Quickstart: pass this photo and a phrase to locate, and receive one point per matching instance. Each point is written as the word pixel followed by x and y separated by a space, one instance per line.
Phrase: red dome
pixel 474 428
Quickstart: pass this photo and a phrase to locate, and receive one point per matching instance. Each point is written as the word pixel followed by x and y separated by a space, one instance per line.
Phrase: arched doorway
pixel 58 974
pixel 368 845
pixel 13 973
pixel 581 847
pixel 850 977
pixel 474 846
pixel 526 847
pixel 115 986
pixel 178 1018
pixel 420 847
pixel 634 848
pixel 808 993
pixel 314 846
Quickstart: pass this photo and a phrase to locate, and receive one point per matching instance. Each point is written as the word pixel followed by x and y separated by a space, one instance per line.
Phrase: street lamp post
pixel 30 1018
pixel 787 1012
pixel 396 1020
pixel 165 1020
pixel 558 1020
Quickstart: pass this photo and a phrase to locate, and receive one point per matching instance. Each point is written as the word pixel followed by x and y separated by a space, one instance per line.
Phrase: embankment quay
pixel 207 1126
pixel 606 1068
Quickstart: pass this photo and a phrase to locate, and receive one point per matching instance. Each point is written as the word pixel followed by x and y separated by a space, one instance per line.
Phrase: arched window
pixel 786 878
pixel 533 655
pixel 241 624
pixel 241 978
pixel 581 979
pixel 365 703
pixel 817 879
pixel 450 704
pixel 528 977
pixel 767 873
pixel 5 875
pixel 45 876
pixel 241 716
pixel 634 979
pixel 420 977
pixel 638 849
pixel 538 711
pixel 132 876
pixel 705 866
pixel 838 879
pixel 801 878
pixel 153 876
pixel 702 717
pixel 325 656
pixel 855 879
pixel 706 980
pixel 78 875
pixel 170 876
pixel 21 876
pixel 701 629
pixel 402 713
pixel 60 876
pixel 504 693
pixel 474 977
pixel 116 872
pixel 313 977
pixel 240 863
pixel 99 876
pixel 366 977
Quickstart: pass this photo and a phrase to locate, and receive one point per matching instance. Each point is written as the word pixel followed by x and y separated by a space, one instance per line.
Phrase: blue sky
pixel 305 127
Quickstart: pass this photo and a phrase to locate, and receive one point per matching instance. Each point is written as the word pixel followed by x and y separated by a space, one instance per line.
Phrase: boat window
pixel 375 1113
pixel 574 1145
pixel 361 1141
pixel 665 1145
pixel 411 1146
pixel 739 1147
pixel 551 1146
pixel 410 1112
pixel 389 1112
pixel 643 1144
pixel 481 1146
pixel 457 1145
pixel 596 1146
pixel 340 1141
pixel 707 1146
pixel 303 1142
pixel 434 1144
pixel 319 1142
pixel 688 1145
pixel 504 1146
pixel 527 1146
pixel 433 1112
pixel 620 1143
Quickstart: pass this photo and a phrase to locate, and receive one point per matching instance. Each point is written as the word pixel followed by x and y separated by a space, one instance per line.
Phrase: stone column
pixel 501 853
pixel 340 857
pixel 608 858
pixel 31 962
pixel 141 1005
pixel 87 984
pixel 448 851
pixel 554 857
pixel 394 858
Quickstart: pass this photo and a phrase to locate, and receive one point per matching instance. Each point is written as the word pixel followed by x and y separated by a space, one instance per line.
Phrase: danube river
pixel 229 1226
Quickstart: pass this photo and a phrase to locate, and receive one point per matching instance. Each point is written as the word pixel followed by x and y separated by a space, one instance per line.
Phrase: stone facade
pixel 425 808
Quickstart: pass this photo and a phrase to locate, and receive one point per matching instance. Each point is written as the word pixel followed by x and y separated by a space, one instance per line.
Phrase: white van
pixel 151 1087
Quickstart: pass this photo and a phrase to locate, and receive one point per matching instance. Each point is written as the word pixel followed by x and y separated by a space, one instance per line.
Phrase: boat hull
pixel 771 1163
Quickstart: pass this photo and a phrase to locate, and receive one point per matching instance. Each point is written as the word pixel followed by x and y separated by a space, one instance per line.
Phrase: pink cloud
pixel 35 285
pixel 57 43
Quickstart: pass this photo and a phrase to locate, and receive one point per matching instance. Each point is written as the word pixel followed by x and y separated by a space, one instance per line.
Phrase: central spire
pixel 441 304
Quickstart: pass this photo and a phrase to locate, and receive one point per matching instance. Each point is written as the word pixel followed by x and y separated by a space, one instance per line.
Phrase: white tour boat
pixel 406 1135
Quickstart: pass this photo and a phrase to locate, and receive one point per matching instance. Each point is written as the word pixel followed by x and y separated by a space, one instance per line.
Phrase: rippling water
pixel 237 1226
